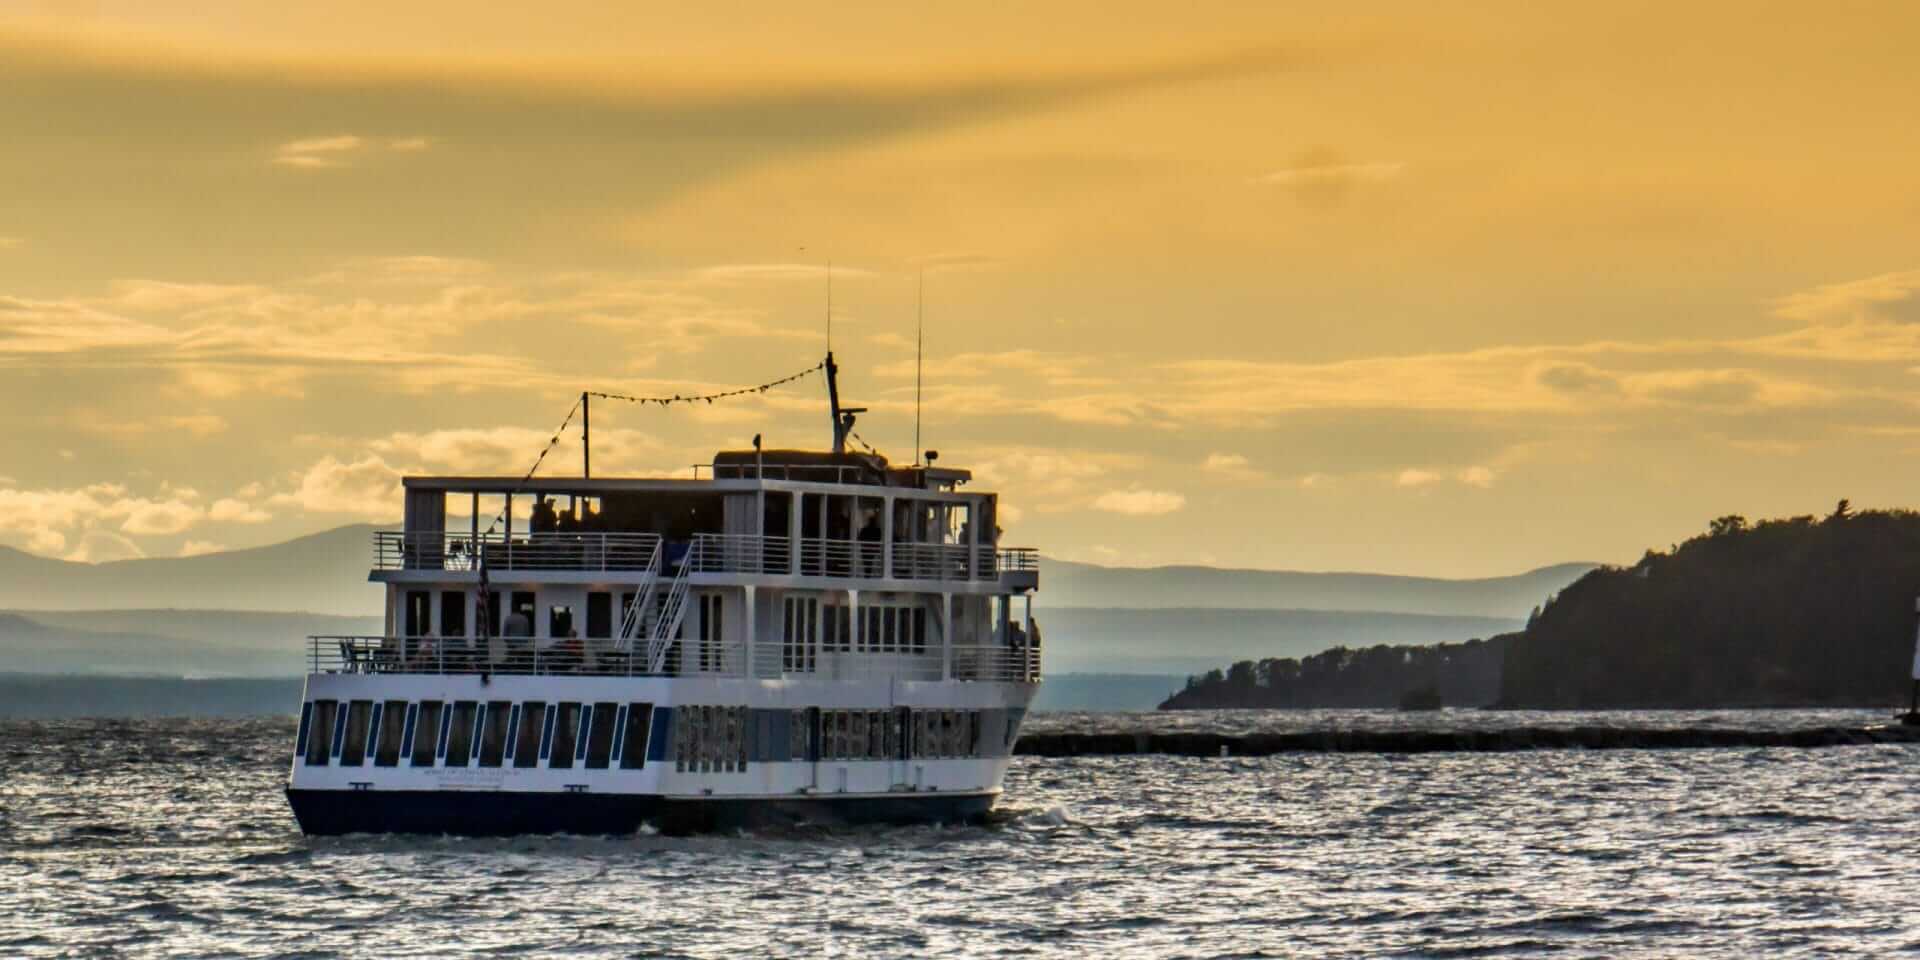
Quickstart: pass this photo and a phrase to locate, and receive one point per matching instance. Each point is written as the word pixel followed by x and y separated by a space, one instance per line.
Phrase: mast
pixel 833 402
pixel 843 417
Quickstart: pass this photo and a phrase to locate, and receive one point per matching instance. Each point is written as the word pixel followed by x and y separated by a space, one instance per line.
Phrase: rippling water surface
pixel 171 838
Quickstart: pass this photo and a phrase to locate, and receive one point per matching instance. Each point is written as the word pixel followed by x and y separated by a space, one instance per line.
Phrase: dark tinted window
pixel 393 724
pixel 526 743
pixel 493 732
pixel 320 737
pixel 600 736
pixel 460 733
pixel 453 613
pixel 353 750
pixel 599 614
pixel 633 745
pixel 566 734
pixel 426 733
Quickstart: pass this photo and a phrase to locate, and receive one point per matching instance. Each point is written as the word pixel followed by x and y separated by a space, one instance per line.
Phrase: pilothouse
pixel 787 636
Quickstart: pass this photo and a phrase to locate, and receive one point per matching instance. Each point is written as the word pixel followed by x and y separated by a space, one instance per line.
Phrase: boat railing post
pixel 946 636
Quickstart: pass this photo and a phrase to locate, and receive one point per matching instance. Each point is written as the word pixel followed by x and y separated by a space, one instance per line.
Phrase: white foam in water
pixel 1058 815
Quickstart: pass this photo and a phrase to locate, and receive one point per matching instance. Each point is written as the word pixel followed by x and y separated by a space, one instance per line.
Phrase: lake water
pixel 171 838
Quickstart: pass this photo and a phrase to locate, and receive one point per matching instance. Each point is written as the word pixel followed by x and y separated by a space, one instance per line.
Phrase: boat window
pixel 419 608
pixel 600 736
pixel 920 630
pixel 600 615
pixel 353 750
pixel 460 733
pixel 633 746
pixel 799 736
pixel 320 738
pixel 306 727
pixel 520 619
pixel 492 613
pixel 393 725
pixel 493 732
pixel 526 744
pixel 559 620
pixel 453 613
pixel 426 732
pixel 566 733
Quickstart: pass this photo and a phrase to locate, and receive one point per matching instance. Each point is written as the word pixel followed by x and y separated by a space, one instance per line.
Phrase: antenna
pixel 919 351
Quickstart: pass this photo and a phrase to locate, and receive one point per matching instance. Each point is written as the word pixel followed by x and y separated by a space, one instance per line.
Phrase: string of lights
pixel 554 441
pixel 710 397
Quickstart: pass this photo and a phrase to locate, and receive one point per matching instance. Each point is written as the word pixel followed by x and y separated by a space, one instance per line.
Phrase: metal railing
pixel 708 553
pixel 394 550
pixel 841 558
pixel 772 659
pixel 736 553
pixel 516 655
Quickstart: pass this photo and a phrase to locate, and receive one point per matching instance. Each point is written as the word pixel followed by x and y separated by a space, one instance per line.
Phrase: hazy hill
pixel 322 573
pixel 198 643
pixel 327 573
pixel 1067 584
pixel 1191 641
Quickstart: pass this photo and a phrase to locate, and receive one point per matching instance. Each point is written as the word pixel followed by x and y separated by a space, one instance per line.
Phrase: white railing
pixel 394 550
pixel 500 655
pixel 735 553
pixel 708 553
pixel 840 558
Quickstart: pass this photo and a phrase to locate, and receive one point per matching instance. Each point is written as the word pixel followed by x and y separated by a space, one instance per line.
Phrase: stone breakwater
pixel 1203 744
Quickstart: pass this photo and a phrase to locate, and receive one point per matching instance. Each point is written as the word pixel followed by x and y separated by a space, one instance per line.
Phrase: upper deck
pixel 789 517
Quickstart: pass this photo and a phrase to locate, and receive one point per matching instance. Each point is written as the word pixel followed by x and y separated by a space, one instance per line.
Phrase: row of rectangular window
pixel 711 739
pixel 704 739
pixel 600 623
pixel 885 629
pixel 491 733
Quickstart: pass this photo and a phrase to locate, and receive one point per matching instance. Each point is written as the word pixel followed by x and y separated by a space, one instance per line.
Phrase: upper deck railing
pixel 716 554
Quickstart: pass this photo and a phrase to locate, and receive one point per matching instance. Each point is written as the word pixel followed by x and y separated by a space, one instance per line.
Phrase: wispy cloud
pixel 319 153
pixel 1140 503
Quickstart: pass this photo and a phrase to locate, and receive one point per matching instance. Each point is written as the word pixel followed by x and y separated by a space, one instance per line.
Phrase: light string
pixel 710 397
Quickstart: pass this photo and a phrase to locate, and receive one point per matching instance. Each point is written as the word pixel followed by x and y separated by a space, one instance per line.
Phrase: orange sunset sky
pixel 1409 287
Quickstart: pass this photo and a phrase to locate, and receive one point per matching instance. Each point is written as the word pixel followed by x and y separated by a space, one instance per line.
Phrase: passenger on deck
pixel 543 519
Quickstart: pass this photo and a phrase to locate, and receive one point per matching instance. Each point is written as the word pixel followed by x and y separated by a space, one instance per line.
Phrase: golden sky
pixel 1386 286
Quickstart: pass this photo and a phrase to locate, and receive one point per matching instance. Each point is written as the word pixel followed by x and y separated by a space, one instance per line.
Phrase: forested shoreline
pixel 1802 611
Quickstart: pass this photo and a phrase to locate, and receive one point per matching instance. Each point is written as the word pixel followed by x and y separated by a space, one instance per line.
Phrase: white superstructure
pixel 788 636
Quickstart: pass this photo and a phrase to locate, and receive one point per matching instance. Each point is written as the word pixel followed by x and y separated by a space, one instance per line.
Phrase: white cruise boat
pixel 792 637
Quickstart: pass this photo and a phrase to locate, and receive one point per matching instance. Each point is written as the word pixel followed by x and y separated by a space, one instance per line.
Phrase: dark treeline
pixel 1465 674
pixel 1803 611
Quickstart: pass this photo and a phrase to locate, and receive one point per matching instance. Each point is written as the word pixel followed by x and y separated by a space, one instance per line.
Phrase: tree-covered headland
pixel 1802 611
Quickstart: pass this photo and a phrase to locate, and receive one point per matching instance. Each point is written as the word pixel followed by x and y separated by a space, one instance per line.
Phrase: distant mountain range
pixel 1067 584
pixel 326 573
pixel 245 613
pixel 323 573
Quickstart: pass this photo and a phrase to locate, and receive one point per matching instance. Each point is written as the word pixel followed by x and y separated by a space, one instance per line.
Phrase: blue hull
pixel 497 814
